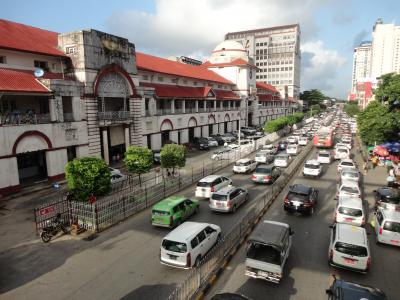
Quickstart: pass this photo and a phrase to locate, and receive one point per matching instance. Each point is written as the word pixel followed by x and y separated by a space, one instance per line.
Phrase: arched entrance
pixel 30 150
pixel 165 128
pixel 192 123
pixel 211 122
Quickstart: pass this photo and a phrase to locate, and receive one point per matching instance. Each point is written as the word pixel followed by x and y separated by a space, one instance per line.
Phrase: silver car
pixel 265 174
pixel 228 199
pixel 350 175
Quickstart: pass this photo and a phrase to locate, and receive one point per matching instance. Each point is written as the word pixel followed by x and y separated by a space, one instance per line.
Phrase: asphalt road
pixel 307 273
pixel 123 262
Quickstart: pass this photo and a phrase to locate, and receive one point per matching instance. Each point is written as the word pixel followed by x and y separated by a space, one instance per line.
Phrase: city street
pixel 307 272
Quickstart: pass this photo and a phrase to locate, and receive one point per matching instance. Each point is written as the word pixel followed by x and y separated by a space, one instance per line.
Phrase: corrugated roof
pixel 266 86
pixel 234 63
pixel 177 91
pixel 20 81
pixel 161 65
pixel 16 36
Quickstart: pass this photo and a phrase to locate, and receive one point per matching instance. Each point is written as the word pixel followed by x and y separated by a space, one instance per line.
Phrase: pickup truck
pixel 268 248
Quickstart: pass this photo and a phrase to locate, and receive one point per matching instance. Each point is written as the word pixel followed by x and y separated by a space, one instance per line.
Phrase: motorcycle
pixel 55 227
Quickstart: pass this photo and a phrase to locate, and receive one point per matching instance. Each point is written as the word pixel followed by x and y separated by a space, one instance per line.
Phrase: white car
pixel 114 171
pixel 270 149
pixel 185 246
pixel 350 175
pixel 210 184
pixel 212 142
pixel 324 157
pixel 387 227
pixel 350 210
pixel 348 189
pixel 346 164
pixel 264 157
pixel 282 160
pixel 312 168
pixel 292 149
pixel 303 141
pixel 244 165
pixel 117 178
pixel 223 154
pixel 342 153
pixel 349 248
pixel 292 140
pixel 342 145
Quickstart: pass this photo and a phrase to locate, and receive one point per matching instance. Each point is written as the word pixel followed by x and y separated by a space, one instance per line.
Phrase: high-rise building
pixel 276 53
pixel 361 63
pixel 385 49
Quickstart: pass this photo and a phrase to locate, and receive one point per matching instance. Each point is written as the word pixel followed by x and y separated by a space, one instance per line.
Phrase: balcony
pixel 16 119
pixel 113 117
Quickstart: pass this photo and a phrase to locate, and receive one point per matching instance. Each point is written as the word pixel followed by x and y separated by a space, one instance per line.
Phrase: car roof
pixel 243 160
pixel 388 192
pixel 169 202
pixel 185 231
pixel 300 188
pixel 226 190
pixel 351 290
pixel 313 162
pixel 210 178
pixel 351 234
pixel 346 160
pixel 323 152
pixel 270 233
pixel 392 215
pixel 282 155
pixel 350 202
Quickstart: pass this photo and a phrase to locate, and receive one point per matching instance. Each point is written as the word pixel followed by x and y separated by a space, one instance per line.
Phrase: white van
pixel 387 227
pixel 349 210
pixel 210 184
pixel 349 248
pixel 185 246
pixel 342 153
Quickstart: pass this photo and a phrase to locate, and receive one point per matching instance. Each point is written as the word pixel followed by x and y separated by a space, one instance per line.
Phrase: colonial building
pixel 88 93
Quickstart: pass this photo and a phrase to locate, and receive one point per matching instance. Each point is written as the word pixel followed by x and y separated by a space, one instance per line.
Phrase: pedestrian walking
pixel 390 178
pixel 374 161
pixel 365 167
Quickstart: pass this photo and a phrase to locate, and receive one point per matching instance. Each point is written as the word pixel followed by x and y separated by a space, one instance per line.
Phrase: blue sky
pixel 330 28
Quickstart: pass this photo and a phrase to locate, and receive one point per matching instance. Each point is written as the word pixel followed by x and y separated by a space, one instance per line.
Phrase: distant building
pixel 361 63
pixel 276 53
pixel 385 49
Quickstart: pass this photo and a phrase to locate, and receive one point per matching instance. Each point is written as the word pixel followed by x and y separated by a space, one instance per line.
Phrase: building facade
pixel 361 63
pixel 276 53
pixel 89 93
pixel 385 49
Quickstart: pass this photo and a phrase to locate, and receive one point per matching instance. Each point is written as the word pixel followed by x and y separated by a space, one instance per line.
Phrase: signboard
pixel 46 210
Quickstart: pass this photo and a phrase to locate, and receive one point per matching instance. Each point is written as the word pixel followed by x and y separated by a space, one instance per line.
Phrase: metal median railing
pixel 198 278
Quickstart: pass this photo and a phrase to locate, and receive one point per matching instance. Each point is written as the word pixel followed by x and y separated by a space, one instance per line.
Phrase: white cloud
pixel 320 67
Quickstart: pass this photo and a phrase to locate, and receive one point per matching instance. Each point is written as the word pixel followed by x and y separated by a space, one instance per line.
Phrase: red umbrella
pixel 381 151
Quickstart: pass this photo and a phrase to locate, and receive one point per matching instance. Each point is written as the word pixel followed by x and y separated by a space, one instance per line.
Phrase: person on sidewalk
pixel 390 178
pixel 374 161
pixel 365 167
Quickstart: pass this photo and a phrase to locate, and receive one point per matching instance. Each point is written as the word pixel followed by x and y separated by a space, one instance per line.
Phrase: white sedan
pixel 346 164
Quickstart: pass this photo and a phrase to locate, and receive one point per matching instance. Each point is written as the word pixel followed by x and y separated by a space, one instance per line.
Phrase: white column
pixel 82 151
pixel 105 146
pixel 55 162
pixel 156 141
pixel 183 106
pixel 173 135
pixel 197 105
pixel 56 109
pixel 76 108
pixel 215 105
pixel 173 106
pixel 185 136
pixel 127 140
pixel 8 172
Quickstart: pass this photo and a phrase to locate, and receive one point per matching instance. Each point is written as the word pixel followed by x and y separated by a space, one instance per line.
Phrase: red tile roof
pixel 16 36
pixel 20 81
pixel 177 91
pixel 234 63
pixel 161 65
pixel 266 86
pixel 263 97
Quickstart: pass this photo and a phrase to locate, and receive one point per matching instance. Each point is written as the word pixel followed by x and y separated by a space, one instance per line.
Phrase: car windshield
pixel 341 150
pixel 347 164
pixel 297 196
pixel 174 246
pixel 241 164
pixel 351 249
pixel 263 170
pixel 348 211
pixel 324 154
pixel 264 253
pixel 350 174
pixel 311 166
pixel 392 226
pixel 219 197
pixel 390 200
pixel 160 212
pixel 349 189
pixel 203 184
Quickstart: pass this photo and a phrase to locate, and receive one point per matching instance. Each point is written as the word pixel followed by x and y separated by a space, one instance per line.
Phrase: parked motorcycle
pixel 55 227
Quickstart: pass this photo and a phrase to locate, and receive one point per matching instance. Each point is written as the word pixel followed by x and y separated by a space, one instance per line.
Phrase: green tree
pixel 315 109
pixel 312 97
pixel 275 125
pixel 351 109
pixel 87 176
pixel 138 160
pixel 376 123
pixel 389 89
pixel 172 156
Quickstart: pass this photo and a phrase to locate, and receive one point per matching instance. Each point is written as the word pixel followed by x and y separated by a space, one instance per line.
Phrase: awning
pixel 20 81
pixel 186 92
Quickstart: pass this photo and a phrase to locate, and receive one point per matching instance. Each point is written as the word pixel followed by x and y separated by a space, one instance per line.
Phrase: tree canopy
pixel 138 160
pixel 377 123
pixel 313 96
pixel 351 108
pixel 389 90
pixel 280 123
pixel 172 156
pixel 87 176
